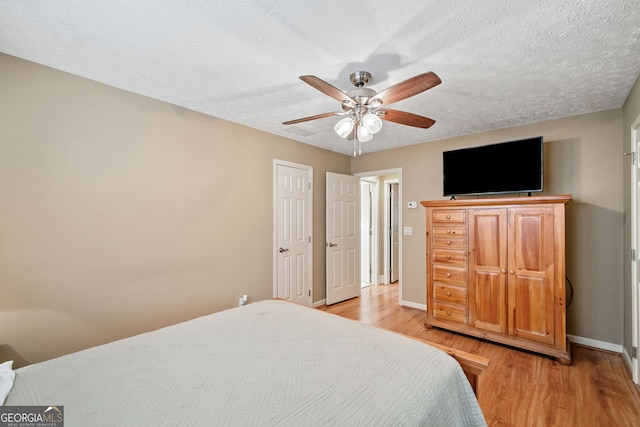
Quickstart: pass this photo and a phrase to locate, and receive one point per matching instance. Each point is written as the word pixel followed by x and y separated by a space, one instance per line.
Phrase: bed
pixel 269 363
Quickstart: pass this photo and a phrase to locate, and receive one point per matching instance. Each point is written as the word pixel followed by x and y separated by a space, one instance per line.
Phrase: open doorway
pixel 381 220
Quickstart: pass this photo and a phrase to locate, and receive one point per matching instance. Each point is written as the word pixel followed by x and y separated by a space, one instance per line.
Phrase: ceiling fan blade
pixel 404 118
pixel 327 89
pixel 407 88
pixel 317 116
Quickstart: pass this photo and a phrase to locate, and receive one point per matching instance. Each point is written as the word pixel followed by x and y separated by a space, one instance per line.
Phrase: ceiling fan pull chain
pixel 356 140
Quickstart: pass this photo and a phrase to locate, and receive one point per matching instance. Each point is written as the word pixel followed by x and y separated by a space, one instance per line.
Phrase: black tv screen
pixel 506 167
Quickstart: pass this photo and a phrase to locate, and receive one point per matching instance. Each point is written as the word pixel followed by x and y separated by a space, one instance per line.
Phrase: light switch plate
pixel 412 205
pixel 408 230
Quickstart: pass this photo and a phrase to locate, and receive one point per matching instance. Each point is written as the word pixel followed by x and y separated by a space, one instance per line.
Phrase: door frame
pixel 635 242
pixel 398 172
pixel 309 169
pixel 387 227
pixel 374 250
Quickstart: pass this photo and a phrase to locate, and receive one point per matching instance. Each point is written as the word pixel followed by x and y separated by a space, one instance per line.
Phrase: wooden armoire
pixel 496 270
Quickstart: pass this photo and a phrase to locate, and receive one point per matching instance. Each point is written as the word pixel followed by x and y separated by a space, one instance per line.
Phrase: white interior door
pixel 342 237
pixel 394 233
pixel 292 249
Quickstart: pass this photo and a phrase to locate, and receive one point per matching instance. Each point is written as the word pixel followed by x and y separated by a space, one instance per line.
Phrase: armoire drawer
pixel 450 216
pixel 450 275
pixel 453 231
pixel 451 313
pixel 450 294
pixel 450 256
pixel 450 242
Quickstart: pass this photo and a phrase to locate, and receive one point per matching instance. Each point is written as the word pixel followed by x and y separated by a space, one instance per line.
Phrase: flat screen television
pixel 506 167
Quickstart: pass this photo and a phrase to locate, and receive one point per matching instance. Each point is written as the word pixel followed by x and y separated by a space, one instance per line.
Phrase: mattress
pixel 269 363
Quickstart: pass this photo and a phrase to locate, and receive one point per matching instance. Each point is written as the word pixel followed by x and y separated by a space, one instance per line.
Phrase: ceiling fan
pixel 364 108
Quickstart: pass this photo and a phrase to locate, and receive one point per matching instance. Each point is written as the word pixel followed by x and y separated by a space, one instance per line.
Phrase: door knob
pixel 331 245
pixel 283 250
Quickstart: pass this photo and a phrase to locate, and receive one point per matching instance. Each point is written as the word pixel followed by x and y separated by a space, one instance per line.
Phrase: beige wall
pixel 121 214
pixel 583 157
pixel 631 117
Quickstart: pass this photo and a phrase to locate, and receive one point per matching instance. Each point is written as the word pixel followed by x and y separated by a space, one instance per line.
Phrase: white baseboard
pixel 319 303
pixel 382 280
pixel 602 345
pixel 411 304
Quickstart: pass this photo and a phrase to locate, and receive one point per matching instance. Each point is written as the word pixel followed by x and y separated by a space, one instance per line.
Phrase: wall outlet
pixel 243 300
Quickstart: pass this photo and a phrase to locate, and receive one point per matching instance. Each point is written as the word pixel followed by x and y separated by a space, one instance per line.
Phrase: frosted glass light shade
pixel 372 123
pixel 363 133
pixel 344 127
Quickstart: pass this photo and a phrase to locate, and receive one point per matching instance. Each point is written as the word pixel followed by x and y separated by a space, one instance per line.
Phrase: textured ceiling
pixel 502 63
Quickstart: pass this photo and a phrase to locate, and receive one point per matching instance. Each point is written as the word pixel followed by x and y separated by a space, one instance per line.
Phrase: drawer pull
pixel 503 271
pixel 448 293
pixel 512 272
pixel 448 216
pixel 448 231
pixel 448 274
pixel 448 313
pixel 448 242
pixel 448 256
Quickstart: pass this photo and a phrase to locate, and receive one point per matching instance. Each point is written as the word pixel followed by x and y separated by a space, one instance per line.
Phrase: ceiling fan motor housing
pixel 360 78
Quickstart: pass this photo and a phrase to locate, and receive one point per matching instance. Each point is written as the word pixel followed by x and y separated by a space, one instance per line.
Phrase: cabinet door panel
pixel 531 276
pixel 530 320
pixel 487 267
pixel 487 302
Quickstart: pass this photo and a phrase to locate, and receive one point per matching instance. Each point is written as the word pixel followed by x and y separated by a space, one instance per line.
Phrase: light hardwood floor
pixel 518 388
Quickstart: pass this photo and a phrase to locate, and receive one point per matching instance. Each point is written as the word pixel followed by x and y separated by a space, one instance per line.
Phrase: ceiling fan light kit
pixel 372 122
pixel 363 133
pixel 344 126
pixel 363 106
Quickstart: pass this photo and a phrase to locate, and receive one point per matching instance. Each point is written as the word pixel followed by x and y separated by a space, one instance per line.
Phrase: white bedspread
pixel 269 363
